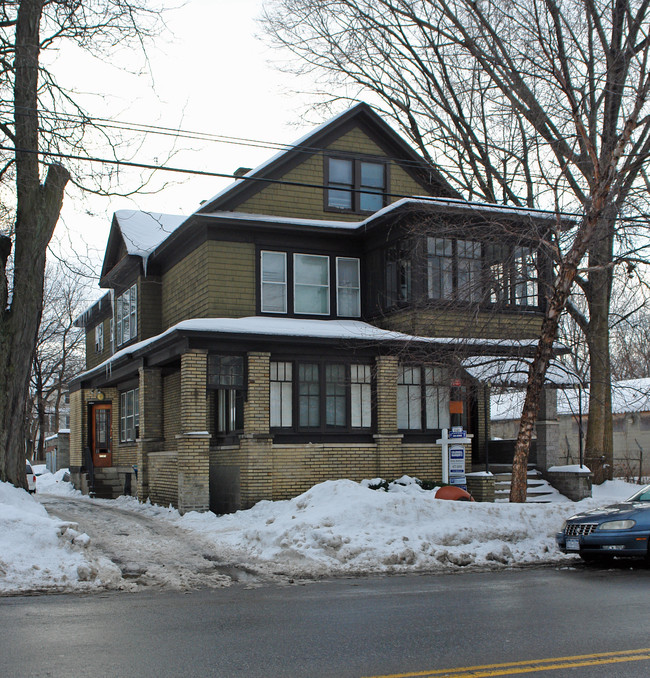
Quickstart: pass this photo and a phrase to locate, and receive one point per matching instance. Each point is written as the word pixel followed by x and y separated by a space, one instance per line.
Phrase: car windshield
pixel 29 469
pixel 642 495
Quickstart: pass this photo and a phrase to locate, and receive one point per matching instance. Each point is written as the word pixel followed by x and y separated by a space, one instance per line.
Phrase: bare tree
pixel 41 129
pixel 531 102
pixel 59 354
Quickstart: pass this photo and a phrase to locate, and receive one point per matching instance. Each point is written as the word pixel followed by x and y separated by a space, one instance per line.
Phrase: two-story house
pixel 309 322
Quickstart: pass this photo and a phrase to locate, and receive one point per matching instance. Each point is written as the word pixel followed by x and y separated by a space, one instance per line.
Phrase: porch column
pixel 256 443
pixel 387 439
pixel 193 443
pixel 150 435
pixel 548 430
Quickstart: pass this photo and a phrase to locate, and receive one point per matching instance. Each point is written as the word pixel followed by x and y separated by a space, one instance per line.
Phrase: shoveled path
pixel 149 552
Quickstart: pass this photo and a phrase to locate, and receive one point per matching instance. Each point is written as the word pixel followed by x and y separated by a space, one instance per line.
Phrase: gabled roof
pixel 137 233
pixel 361 114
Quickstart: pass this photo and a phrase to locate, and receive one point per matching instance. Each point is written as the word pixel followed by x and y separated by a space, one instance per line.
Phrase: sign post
pixel 453 456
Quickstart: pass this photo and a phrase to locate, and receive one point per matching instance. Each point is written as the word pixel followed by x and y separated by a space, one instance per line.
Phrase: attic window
pixel 355 185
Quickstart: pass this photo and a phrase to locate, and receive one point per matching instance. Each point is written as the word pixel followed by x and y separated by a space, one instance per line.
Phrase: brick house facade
pixel 307 323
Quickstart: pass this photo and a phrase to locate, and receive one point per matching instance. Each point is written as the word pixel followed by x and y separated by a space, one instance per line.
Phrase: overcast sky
pixel 209 74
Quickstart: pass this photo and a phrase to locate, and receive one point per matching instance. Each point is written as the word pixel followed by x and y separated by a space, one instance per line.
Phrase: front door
pixel 101 435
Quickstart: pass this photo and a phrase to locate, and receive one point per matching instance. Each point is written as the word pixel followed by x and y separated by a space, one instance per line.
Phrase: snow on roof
pixel 144 231
pixel 632 395
pixel 508 371
pixel 343 330
pixel 289 147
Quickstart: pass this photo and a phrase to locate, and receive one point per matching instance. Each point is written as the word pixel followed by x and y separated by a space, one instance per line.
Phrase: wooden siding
pixel 449 322
pixel 216 280
pixel 304 202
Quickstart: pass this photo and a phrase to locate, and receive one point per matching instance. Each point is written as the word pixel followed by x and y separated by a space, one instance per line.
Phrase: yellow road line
pixel 530 666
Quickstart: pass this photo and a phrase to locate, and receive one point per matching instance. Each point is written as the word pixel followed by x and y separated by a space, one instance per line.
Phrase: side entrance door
pixel 101 435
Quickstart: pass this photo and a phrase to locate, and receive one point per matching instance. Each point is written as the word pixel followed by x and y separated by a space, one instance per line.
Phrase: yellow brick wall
pixel 163 478
pixel 299 201
pixel 172 409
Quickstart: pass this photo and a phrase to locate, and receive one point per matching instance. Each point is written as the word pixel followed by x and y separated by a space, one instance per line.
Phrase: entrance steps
pixel 538 490
pixel 108 483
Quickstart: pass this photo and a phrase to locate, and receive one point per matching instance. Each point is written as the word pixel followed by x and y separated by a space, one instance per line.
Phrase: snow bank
pixel 36 551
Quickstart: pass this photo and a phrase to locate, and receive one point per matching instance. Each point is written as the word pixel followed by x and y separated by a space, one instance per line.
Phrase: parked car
pixel 618 530
pixel 31 479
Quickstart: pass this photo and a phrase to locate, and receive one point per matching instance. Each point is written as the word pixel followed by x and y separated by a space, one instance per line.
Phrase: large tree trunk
pixel 37 211
pixel 599 448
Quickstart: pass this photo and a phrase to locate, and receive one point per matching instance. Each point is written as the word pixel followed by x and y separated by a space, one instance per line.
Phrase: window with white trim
pixel 126 316
pixel 99 338
pixel 311 284
pixel 129 415
pixel 348 287
pixel 274 282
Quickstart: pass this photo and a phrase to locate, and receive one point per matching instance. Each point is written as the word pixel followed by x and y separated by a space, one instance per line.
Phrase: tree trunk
pixel 37 211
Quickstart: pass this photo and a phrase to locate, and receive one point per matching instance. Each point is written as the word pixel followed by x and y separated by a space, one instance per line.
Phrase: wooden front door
pixel 101 435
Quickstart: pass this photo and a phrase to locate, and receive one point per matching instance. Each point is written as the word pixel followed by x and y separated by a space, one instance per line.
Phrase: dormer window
pixel 355 185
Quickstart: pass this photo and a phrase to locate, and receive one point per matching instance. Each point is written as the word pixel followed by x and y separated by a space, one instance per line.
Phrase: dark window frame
pixel 324 429
pixel 229 391
pixel 356 188
pixel 333 260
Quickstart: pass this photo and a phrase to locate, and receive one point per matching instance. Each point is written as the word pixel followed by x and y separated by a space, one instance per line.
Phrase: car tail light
pixel 34 478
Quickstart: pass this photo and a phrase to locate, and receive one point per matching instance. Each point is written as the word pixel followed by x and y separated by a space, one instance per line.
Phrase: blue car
pixel 621 530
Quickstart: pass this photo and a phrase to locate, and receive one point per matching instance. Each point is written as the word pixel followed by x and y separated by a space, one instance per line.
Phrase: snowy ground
pixel 336 528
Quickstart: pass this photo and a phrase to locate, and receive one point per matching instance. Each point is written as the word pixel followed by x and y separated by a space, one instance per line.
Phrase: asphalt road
pixel 343 628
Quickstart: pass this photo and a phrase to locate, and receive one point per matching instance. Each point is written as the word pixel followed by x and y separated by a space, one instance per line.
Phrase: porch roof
pixel 500 371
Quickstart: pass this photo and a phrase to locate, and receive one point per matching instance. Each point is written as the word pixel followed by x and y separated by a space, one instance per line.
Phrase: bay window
pixel 348 287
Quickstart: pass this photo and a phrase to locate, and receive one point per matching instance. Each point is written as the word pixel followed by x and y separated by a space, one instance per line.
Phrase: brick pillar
pixel 150 436
pixel 193 443
pixel 548 430
pixel 256 476
pixel 387 439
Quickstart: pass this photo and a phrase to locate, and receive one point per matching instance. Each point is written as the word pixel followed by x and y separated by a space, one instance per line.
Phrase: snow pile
pixel 341 527
pixel 41 553
pixel 56 483
pixel 335 528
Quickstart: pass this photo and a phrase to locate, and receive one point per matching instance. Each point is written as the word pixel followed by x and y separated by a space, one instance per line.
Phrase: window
pixel 311 284
pixel 328 396
pixel 525 277
pixel 281 392
pixel 355 185
pixel 360 396
pixel 440 267
pixel 99 338
pixel 348 287
pixel 454 269
pixel 126 316
pixel 398 276
pixel 470 264
pixel 274 282
pixel 226 378
pixel 422 398
pixel 129 415
pixel 308 395
pixel 308 278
